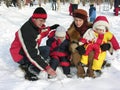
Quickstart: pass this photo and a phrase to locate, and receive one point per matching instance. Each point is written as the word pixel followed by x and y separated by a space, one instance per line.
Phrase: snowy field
pixel 12 78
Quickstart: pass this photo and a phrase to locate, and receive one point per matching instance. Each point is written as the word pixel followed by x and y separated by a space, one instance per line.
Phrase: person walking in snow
pixel 116 7
pixel 25 49
pixel 74 4
pixel 92 13
pixel 59 50
pixel 54 5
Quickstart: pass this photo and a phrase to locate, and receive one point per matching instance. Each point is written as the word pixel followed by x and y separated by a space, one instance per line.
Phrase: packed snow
pixel 12 78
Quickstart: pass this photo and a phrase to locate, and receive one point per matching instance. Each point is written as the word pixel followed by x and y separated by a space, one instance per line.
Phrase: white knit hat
pixel 60 32
pixel 101 22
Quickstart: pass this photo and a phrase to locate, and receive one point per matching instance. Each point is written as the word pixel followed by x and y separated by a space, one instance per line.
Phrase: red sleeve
pixel 67 36
pixel 99 39
pixel 45 32
pixel 51 34
pixel 83 40
pixel 115 43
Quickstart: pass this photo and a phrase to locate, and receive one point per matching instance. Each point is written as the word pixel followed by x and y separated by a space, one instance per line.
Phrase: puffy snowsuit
pixel 59 53
pixel 108 37
pixel 97 64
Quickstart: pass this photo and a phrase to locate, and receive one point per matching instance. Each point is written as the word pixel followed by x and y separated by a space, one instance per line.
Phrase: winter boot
pixel 31 77
pixel 68 75
pixel 106 64
pixel 90 73
pixel 80 70
pixel 28 74
pixel 97 73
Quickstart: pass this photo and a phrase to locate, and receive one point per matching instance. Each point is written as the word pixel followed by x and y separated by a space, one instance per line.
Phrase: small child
pixel 93 39
pixel 96 39
pixel 59 50
pixel 92 13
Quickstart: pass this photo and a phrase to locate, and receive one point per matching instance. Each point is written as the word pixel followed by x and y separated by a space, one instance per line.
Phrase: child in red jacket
pixel 59 50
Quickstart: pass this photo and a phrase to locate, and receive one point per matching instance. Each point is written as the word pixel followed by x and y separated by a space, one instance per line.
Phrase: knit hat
pixel 80 13
pixel 101 22
pixel 39 13
pixel 60 32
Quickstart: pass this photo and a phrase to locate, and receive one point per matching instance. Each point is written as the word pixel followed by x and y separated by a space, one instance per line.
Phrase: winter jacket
pixel 26 43
pixel 74 34
pixel 92 40
pixel 97 64
pixel 92 13
pixel 116 3
pixel 58 48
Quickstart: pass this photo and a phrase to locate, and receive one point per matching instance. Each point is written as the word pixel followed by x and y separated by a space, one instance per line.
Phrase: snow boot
pixel 31 77
pixel 80 70
pixel 28 75
pixel 106 64
pixel 90 73
pixel 97 73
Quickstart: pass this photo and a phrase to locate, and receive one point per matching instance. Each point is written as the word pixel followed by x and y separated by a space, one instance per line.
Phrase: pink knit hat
pixel 101 21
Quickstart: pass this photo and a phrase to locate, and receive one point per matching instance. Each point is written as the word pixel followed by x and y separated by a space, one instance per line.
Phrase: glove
pixel 54 26
pixel 81 50
pixel 105 46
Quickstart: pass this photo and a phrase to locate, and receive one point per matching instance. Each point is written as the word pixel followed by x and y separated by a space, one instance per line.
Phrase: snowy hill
pixel 12 78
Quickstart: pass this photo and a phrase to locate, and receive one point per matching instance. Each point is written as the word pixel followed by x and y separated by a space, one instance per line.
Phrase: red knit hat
pixel 80 13
pixel 101 21
pixel 39 13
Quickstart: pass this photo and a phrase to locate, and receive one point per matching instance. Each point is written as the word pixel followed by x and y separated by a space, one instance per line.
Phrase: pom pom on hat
pixel 60 32
pixel 39 13
pixel 101 22
pixel 80 13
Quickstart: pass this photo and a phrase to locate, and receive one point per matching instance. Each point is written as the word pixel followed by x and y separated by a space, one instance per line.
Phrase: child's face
pixel 61 38
pixel 99 31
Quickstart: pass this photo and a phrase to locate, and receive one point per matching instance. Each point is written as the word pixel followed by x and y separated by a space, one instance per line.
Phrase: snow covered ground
pixel 12 78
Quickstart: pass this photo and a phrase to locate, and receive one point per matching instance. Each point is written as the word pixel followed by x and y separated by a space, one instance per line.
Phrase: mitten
pixel 54 26
pixel 81 50
pixel 105 46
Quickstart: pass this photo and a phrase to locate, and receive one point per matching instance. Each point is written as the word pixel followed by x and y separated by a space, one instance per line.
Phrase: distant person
pixel 92 13
pixel 26 49
pixel 116 7
pixel 70 9
pixel 54 5
pixel 74 4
